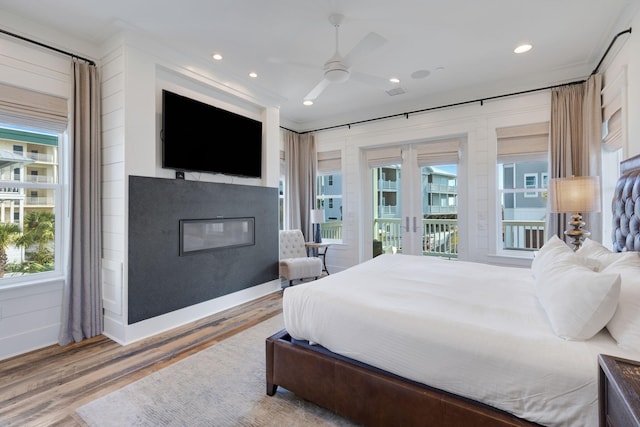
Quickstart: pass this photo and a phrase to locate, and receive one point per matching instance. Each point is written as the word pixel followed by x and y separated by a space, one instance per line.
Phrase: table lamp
pixel 575 195
pixel 317 218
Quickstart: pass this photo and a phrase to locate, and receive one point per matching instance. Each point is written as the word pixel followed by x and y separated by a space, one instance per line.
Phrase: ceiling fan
pixel 337 69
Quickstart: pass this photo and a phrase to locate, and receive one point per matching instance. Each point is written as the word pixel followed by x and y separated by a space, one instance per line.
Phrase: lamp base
pixel 577 233
pixel 318 235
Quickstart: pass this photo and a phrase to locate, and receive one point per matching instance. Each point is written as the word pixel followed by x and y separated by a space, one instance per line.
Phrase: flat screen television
pixel 199 137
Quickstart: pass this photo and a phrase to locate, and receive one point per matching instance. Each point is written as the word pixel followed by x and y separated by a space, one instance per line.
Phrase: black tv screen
pixel 202 138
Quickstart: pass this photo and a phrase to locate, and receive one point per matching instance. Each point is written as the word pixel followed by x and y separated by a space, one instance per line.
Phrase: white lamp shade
pixel 577 194
pixel 317 216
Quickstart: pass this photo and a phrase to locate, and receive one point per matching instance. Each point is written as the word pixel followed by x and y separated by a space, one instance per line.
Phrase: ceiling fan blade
pixel 316 91
pixel 368 44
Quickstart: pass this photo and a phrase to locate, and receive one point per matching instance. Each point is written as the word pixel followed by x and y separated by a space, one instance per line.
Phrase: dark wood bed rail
pixel 370 396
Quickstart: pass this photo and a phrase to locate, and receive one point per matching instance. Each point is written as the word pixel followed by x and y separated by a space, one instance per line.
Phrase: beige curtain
pixel 82 304
pixel 300 178
pixel 576 133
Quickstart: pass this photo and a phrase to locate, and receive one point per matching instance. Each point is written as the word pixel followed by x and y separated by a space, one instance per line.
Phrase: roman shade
pixel 438 152
pixel 330 161
pixel 523 142
pixel 23 107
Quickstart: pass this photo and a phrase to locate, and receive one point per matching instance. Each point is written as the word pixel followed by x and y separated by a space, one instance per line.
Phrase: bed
pixel 409 340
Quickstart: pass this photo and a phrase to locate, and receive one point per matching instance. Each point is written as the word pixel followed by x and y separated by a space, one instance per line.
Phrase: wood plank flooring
pixel 44 387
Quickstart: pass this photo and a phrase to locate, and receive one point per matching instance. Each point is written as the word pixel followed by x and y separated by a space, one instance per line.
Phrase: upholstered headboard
pixel 626 207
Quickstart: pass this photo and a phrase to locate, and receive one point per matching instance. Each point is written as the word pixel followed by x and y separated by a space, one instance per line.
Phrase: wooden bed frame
pixel 369 395
pixel 374 397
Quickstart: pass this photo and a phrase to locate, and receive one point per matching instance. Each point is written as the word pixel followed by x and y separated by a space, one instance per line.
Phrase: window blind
pixel 330 161
pixel 384 156
pixel 523 142
pixel 23 107
pixel 439 152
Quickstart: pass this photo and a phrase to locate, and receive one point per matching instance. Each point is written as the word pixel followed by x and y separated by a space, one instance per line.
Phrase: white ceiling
pixel 466 45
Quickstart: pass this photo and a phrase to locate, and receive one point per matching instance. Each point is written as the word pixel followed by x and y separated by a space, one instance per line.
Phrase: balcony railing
pixel 40 201
pixel 38 157
pixel 523 235
pixel 331 230
pixel 40 179
pixel 440 236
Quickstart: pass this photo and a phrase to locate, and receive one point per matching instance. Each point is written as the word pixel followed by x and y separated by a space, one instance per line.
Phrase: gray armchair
pixel 294 262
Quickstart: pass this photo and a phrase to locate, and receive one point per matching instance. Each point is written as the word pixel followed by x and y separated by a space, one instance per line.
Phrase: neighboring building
pixel 525 205
pixel 439 192
pixel 329 197
pixel 26 157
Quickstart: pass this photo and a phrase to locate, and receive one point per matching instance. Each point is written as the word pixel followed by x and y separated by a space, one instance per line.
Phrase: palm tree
pixel 9 233
pixel 39 231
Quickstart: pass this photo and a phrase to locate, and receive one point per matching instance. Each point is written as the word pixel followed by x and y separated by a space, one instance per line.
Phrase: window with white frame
pixel 32 136
pixel 522 177
pixel 531 182
pixel 30 194
pixel 329 194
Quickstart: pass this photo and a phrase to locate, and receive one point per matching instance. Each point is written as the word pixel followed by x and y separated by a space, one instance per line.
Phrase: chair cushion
pixel 298 268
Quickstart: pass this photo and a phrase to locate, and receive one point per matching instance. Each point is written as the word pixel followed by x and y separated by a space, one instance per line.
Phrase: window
pixel 329 194
pixel 522 177
pixel 29 205
pixel 531 182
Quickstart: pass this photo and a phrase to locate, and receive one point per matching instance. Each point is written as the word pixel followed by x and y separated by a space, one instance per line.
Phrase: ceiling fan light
pixel 336 75
pixel 523 48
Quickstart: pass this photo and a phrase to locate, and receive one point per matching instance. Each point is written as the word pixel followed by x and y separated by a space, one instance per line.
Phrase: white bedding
pixel 471 329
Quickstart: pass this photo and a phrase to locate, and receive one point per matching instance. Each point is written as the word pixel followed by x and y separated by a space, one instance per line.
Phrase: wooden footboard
pixel 368 395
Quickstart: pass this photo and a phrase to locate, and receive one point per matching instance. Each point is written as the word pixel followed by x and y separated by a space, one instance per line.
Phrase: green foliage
pixel 37 238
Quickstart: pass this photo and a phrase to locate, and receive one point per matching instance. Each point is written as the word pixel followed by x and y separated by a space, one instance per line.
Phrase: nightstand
pixel 618 392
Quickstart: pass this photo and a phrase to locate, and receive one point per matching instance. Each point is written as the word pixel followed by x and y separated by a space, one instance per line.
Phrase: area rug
pixel 223 385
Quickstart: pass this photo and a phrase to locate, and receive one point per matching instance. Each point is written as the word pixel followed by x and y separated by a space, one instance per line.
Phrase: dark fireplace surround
pixel 238 249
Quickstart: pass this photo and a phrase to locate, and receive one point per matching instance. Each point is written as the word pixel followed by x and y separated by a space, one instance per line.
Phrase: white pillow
pixel 578 301
pixel 552 249
pixel 596 252
pixel 624 326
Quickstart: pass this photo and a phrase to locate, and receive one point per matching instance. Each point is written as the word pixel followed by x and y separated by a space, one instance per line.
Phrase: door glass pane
pixel 387 233
pixel 439 210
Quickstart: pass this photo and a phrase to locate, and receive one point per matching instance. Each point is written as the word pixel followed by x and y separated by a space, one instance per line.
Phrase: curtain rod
pixel 606 52
pixel 46 46
pixel 480 100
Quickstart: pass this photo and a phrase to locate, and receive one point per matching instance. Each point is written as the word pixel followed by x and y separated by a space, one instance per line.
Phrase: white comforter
pixel 472 329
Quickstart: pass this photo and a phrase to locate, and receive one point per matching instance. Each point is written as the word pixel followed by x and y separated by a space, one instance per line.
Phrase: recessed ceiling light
pixel 217 56
pixel 394 80
pixel 308 102
pixel 253 74
pixel 523 48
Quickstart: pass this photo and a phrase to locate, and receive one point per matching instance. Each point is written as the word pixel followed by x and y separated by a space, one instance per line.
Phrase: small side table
pixel 323 254
pixel 619 392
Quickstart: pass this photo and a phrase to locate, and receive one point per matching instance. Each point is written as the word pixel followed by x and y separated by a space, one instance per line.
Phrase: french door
pixel 414 198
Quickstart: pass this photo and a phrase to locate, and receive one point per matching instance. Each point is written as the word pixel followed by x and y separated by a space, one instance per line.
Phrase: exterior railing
pixel 441 235
pixel 523 235
pixel 331 230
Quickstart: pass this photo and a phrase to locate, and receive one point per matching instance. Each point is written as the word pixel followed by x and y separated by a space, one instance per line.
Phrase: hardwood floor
pixel 44 387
